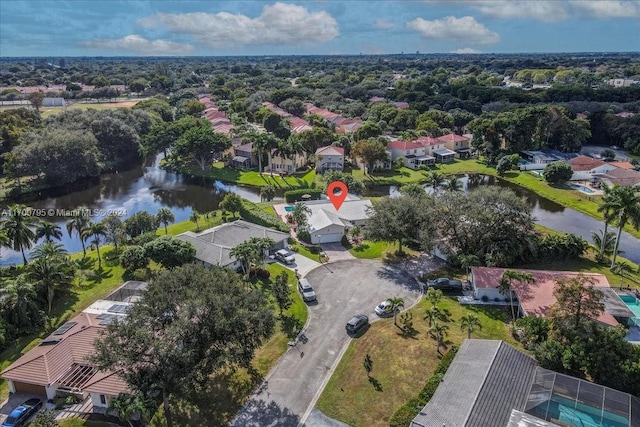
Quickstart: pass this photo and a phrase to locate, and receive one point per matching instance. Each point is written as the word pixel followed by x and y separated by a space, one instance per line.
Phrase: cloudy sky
pixel 163 27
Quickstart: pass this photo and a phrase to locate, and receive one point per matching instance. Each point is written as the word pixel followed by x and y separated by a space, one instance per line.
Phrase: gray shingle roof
pixel 351 210
pixel 485 381
pixel 213 245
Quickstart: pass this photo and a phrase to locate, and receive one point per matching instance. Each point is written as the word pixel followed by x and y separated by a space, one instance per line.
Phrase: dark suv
pixel 19 416
pixel 356 323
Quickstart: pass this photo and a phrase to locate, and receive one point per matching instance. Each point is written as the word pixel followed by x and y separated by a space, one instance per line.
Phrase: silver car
pixel 285 256
pixel 306 290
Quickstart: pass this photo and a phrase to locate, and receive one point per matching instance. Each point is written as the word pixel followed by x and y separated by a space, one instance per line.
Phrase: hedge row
pixel 408 411
pixel 252 213
pixel 296 195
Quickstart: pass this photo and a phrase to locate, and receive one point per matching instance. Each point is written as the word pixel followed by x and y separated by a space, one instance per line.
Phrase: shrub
pixel 304 236
pixel 252 213
pixel 145 238
pixel 292 196
pixel 562 246
pixel 263 274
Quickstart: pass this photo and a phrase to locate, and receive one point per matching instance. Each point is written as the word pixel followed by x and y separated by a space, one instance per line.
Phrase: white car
pixel 285 256
pixel 383 309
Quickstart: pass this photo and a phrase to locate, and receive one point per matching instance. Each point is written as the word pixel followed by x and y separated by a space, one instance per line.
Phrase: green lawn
pixel 79 422
pixel 254 178
pixel 401 364
pixel 311 253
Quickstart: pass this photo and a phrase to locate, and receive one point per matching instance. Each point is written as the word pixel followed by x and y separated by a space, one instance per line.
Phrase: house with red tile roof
pixel 296 124
pixel 413 153
pixel 329 158
pixel 59 365
pixel 536 299
pixel 220 123
pixel 621 176
pixel 586 168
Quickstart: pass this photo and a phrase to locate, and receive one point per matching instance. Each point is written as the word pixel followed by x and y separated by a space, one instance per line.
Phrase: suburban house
pixel 279 163
pixel 219 120
pixel 244 157
pixel 458 143
pixel 58 366
pixel 329 158
pixel 491 383
pixel 296 124
pixel 536 299
pixel 584 168
pixel 413 153
pixel 538 160
pixel 342 124
pixel 213 246
pixel 328 225
pixel 621 176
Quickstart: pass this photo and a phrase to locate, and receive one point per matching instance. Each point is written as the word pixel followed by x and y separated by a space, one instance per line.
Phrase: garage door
pixel 30 388
pixel 330 238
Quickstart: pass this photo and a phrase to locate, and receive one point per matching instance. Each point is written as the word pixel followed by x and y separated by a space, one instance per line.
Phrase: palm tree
pixel 18 303
pixel 243 252
pixel 262 143
pixel 434 296
pixel 49 250
pixel 607 211
pixel 453 184
pixel 506 287
pixel 431 315
pixel 604 242
pixel 77 224
pixel 48 230
pixel 125 405
pixel 396 303
pixel 165 216
pixel 194 218
pixel 18 229
pixel 620 268
pixel 470 323
pixel 267 193
pixel 261 247
pixel 435 179
pixel 299 214
pixel 625 208
pixel 97 230
pixel 49 274
pixel 468 261
pixel 438 332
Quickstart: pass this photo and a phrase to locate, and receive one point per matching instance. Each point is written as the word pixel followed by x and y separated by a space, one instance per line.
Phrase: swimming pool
pixel 581 188
pixel 289 208
pixel 537 172
pixel 631 302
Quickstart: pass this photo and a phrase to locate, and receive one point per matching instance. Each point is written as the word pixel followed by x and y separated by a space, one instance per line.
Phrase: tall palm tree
pixel 438 332
pixel 435 179
pixel 96 230
pixel 243 253
pixel 194 218
pixel 453 184
pixel 300 213
pixel 49 250
pixel 431 316
pixel 48 230
pixel 165 217
pixel 469 261
pixel 261 247
pixel 77 224
pixel 262 143
pixel 18 303
pixel 606 208
pixel 470 323
pixel 625 208
pixel 18 228
pixel 506 285
pixel 396 304
pixel 49 274
pixel 267 193
pixel 604 242
pixel 620 268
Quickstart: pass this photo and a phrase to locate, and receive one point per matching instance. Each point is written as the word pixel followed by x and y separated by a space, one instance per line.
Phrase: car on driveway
pixel 384 309
pixel 445 284
pixel 285 256
pixel 306 290
pixel 19 416
pixel 356 324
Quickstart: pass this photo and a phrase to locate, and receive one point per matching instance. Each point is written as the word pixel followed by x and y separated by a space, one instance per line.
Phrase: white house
pixel 329 158
pixel 585 168
pixel 279 163
pixel 413 153
pixel 327 225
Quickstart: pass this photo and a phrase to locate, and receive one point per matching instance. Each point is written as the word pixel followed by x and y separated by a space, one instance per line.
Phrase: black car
pixel 356 323
pixel 19 416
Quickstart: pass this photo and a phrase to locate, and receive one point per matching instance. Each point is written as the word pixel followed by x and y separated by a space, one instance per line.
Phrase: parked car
pixel 383 309
pixel 356 324
pixel 306 290
pixel 445 284
pixel 19 416
pixel 285 256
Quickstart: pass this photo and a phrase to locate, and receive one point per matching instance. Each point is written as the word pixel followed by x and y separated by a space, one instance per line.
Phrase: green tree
pixel 577 299
pixel 165 216
pixel 232 203
pixel 438 332
pixel 413 189
pixel 47 230
pixel 114 231
pixel 608 155
pixel 262 143
pixel 434 296
pixel 625 208
pixel 77 224
pixel 468 261
pixel 267 193
pixel 193 107
pixel 282 292
pixel 370 151
pixel 200 144
pixel 243 253
pixel 606 208
pixel 557 172
pixel 604 242
pixel 140 223
pixel 453 184
pixel 50 275
pixel 506 284
pixel 211 313
pixel 97 231
pixel 170 252
pixel 19 305
pixel 396 304
pixel 18 229
pixel 431 316
pixel 300 214
pixel 36 99
pixel 435 180
pixel 133 258
pixel 354 185
pixel 620 268
pixel 49 250
pixel 470 322
pixel 194 217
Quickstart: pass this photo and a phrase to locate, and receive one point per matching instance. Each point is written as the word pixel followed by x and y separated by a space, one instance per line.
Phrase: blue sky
pixel 119 27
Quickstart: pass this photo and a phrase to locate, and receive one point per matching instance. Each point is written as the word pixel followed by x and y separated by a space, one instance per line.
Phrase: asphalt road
pixel 344 288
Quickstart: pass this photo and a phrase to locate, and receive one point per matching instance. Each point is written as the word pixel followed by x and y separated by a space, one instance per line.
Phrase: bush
pixel 292 196
pixel 145 238
pixel 263 274
pixel 562 246
pixel 253 213
pixel 304 236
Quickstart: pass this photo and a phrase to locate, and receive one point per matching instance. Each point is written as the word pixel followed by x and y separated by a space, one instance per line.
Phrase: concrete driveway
pixel 344 288
pixel 302 264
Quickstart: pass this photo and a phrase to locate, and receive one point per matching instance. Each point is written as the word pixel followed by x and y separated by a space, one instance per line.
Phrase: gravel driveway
pixel 344 288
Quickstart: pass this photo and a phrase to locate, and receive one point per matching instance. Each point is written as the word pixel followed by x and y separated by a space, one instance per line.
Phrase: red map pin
pixel 337 199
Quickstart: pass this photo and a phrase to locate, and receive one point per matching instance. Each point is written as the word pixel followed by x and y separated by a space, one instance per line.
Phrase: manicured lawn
pixel 401 365
pixel 311 253
pixel 78 422
pixel 368 249
pixel 402 176
pixel 227 174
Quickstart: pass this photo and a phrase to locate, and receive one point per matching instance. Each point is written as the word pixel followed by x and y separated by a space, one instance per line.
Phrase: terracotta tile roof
pixel 107 383
pixel 279 111
pixel 585 163
pixel 428 141
pixel 330 151
pixel 405 145
pixel 624 177
pixel 452 137
pixel 323 112
pixel 623 165
pixel 536 299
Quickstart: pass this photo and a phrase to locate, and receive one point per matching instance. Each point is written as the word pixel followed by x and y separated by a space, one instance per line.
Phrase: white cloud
pixel 384 24
pixel 604 9
pixel 279 23
pixel 465 29
pixel 139 45
pixel 465 50
pixel 549 11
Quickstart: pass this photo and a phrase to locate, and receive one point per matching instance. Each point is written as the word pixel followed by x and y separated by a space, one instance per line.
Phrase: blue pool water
pixel 631 302
pixel 289 208
pixel 581 188
pixel 536 172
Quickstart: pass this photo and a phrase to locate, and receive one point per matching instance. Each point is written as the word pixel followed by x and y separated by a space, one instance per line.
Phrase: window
pixel 103 399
